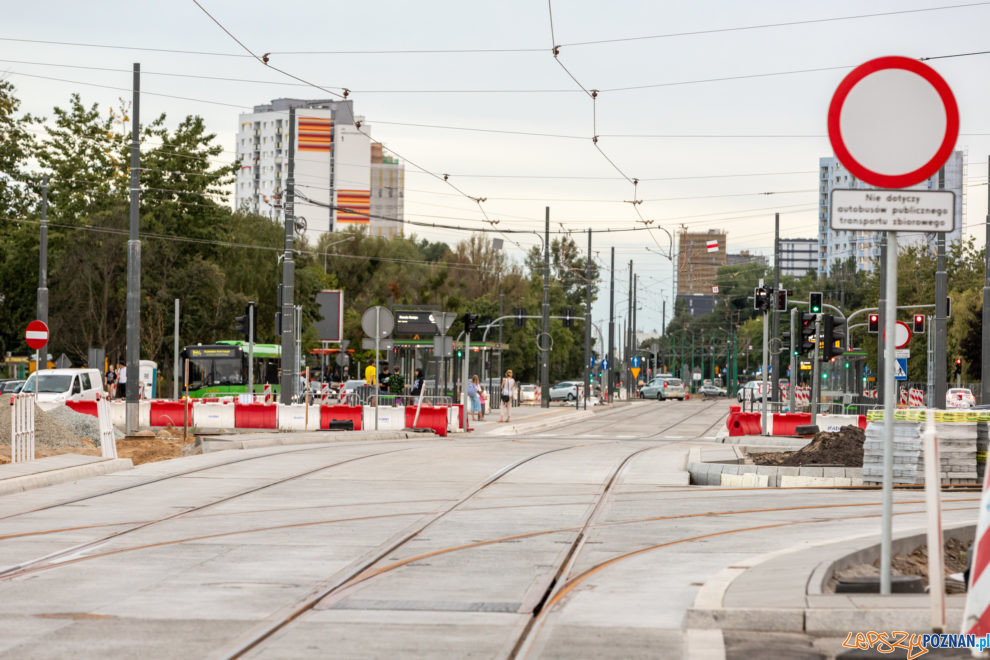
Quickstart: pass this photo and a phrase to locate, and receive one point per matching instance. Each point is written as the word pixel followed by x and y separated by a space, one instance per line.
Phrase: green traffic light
pixel 847 365
pixel 824 376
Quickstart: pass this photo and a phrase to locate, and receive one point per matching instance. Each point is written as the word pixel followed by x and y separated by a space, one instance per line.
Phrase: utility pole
pixel 289 274
pixel 133 346
pixel 635 314
pixel 663 325
pixel 587 325
pixel 941 292
pixel 985 363
pixel 816 370
pixel 545 337
pixel 793 361
pixel 775 329
pixel 611 324
pixel 626 366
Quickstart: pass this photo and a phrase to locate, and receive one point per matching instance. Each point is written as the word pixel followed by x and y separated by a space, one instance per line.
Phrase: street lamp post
pixel 327 247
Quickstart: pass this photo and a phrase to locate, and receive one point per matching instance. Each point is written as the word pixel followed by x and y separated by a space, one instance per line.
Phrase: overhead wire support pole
pixel 133 346
pixel 288 388
pixel 610 358
pixel 985 361
pixel 775 326
pixel 941 293
pixel 545 338
pixel 889 403
pixel 587 325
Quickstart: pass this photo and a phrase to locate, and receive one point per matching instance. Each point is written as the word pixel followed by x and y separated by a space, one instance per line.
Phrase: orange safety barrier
pixel 340 414
pixel 255 416
pixel 165 413
pixel 430 417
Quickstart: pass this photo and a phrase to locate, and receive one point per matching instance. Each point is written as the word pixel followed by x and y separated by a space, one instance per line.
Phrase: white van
pixel 56 386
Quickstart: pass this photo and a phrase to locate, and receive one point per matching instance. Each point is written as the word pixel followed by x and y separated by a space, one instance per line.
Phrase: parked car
pixel 527 393
pixel 664 388
pixel 56 386
pixel 10 386
pixel 566 390
pixel 751 391
pixel 711 390
pixel 959 397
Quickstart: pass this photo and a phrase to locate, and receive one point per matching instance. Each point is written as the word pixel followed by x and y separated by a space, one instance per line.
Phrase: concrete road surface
pixel 583 540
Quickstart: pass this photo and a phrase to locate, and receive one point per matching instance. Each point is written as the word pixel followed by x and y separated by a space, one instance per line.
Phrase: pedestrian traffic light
pixel 785 342
pixel 958 369
pixel 834 334
pixel 815 300
pixel 807 332
pixel 873 324
pixel 919 324
pixel 782 300
pixel 520 321
pixel 568 318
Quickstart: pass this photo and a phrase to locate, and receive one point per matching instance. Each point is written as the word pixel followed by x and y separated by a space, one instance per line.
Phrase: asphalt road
pixel 582 540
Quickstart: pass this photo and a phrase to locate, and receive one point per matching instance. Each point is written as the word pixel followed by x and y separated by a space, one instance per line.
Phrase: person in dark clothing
pixel 383 380
pixel 417 387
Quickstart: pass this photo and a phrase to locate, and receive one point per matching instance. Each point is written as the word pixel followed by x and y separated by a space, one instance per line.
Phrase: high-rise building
pixel 699 256
pixel 864 246
pixel 798 256
pixel 332 162
pixel 387 197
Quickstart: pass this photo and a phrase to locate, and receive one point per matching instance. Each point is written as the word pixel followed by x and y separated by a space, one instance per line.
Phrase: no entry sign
pixel 36 334
pixel 893 122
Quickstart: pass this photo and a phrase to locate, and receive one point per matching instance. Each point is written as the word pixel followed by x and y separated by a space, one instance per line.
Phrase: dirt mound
pixel 167 443
pixel 843 448
pixel 915 563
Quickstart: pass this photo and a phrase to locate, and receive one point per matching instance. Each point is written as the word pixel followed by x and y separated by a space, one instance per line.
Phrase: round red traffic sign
pixel 893 122
pixel 36 334
pixel 902 334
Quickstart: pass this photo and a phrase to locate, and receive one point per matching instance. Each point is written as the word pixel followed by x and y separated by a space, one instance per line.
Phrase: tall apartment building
pixel 332 162
pixel 387 197
pixel 798 256
pixel 864 246
pixel 699 256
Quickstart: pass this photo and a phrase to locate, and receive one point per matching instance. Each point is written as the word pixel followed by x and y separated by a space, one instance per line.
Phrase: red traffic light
pixel 873 324
pixel 958 360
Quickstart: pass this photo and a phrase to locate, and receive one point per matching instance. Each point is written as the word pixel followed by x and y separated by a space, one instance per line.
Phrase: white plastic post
pixel 108 442
pixel 21 428
pixel 933 506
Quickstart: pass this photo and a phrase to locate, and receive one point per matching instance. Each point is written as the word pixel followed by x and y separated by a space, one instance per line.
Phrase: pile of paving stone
pixel 956 449
pixel 49 430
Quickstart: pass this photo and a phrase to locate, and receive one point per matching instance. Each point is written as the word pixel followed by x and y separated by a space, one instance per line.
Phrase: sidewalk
pixel 17 477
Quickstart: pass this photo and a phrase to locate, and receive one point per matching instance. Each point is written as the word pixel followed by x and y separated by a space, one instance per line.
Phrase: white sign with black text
pixel 893 210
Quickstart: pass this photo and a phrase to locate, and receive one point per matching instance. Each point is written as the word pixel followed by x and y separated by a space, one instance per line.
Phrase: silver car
pixel 662 389
pixel 564 390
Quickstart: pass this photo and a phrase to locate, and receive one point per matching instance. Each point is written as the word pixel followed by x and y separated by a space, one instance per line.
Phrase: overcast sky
pixel 710 138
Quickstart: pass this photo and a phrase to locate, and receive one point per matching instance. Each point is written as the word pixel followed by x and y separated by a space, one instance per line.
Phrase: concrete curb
pixel 726 469
pixel 798 605
pixel 210 444
pixel 62 475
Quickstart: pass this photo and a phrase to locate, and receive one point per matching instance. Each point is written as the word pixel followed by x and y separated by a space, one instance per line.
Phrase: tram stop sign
pixel 893 122
pixel 36 334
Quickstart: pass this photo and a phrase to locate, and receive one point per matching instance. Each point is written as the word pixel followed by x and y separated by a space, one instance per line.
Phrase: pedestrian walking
pixel 396 383
pixel 483 396
pixel 383 380
pixel 418 379
pixel 122 381
pixel 111 381
pixel 507 387
pixel 475 401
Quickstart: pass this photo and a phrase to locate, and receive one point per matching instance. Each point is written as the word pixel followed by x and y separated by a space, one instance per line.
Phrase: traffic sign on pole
pixel 893 122
pixel 36 334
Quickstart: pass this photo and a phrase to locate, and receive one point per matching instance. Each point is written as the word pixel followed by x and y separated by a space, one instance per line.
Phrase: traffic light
pixel 762 298
pixel 520 321
pixel 815 300
pixel 807 332
pixel 834 336
pixel 873 324
pixel 243 323
pixel 919 324
pixel 958 368
pixel 785 342
pixel 782 300
pixel 470 322
pixel 568 318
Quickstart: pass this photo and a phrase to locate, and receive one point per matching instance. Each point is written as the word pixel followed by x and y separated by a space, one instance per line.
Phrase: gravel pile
pixel 844 447
pixel 84 426
pixel 48 431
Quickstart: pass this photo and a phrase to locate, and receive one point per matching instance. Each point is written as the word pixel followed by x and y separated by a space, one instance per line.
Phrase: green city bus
pixel 221 369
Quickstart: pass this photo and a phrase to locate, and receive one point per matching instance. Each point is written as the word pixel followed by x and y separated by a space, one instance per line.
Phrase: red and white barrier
pixel 870 394
pixel 268 393
pixel 324 393
pixel 976 615
pixel 903 398
pixel 295 417
pixel 21 428
pixel 802 396
pixel 916 398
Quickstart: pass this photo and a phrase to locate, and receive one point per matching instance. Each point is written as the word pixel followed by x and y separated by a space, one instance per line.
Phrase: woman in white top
pixel 508 386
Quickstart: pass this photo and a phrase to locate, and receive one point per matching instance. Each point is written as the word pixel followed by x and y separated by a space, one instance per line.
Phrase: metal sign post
pixel 378 322
pixel 866 120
